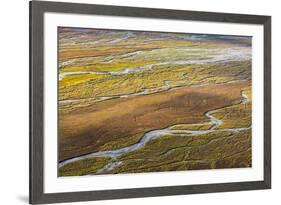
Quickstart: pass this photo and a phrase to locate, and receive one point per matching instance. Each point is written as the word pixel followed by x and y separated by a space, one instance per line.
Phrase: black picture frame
pixel 37 10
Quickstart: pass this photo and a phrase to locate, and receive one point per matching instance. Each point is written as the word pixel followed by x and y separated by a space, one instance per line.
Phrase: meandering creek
pixel 153 134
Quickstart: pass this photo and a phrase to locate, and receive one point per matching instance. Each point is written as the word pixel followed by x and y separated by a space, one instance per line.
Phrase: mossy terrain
pixel 83 167
pixel 219 149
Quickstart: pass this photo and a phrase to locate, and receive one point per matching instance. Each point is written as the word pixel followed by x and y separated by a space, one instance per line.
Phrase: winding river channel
pixel 153 134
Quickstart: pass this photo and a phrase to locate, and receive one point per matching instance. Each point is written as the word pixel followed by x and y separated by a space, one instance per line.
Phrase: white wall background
pixel 14 100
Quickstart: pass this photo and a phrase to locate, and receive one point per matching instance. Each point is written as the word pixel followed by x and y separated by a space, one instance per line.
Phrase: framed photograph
pixel 139 102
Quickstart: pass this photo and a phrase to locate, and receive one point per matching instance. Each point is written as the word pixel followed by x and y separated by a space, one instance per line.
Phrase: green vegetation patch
pixel 84 167
pixel 218 149
pixel 121 142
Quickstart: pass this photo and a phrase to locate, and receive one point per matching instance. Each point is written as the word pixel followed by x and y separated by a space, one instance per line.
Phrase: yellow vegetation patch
pixel 77 79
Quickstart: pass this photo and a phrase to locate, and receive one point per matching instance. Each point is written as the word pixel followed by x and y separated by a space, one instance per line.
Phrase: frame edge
pixel 267 101
pixel 36 88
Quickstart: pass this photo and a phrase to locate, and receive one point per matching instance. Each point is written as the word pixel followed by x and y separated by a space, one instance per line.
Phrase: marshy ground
pixel 134 102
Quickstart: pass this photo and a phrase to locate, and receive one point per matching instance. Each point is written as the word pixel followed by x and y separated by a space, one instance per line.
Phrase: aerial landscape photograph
pixel 146 101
